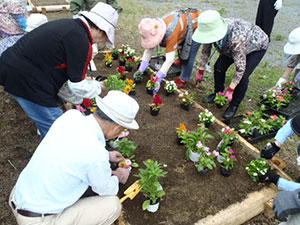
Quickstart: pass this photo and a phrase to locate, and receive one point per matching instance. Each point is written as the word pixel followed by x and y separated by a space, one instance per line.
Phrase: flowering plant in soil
pixel 138 76
pixel 108 59
pixel 130 85
pixel 114 82
pixel 206 117
pixel 186 98
pixel 115 53
pixel 129 52
pixel 149 181
pixel 264 127
pixel 276 121
pixel 229 158
pixel 277 98
pixel 257 168
pixel 122 58
pixel 229 136
pixel 124 48
pixel 207 159
pixel 129 63
pixel 180 130
pixel 220 98
pixel 157 103
pixel 127 148
pixel 121 70
pixel 170 86
pixel 151 84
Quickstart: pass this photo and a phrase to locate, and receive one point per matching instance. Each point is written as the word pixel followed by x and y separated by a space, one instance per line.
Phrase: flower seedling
pixel 170 86
pixel 157 103
pixel 228 158
pixel 114 83
pixel 207 159
pixel 108 59
pixel 206 117
pixel 220 99
pixel 257 168
pixel 129 63
pixel 181 130
pixel 149 181
pixel 115 53
pixel 186 98
pixel 127 148
pixel 229 137
pixel 151 84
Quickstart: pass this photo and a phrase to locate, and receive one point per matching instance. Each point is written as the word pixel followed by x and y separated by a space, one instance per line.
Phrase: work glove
pixel 122 174
pixel 199 76
pixel 160 75
pixel 269 151
pixel 286 203
pixel 278 4
pixel 280 82
pixel 229 93
pixel 144 65
pixel 270 177
pixel 115 156
pixel 21 20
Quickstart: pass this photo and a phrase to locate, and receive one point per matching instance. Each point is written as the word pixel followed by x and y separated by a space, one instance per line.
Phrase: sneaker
pixel 230 112
pixel 180 83
pixel 209 99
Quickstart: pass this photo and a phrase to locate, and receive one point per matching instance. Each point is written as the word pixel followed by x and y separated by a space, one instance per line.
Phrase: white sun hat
pixel 292 47
pixel 105 18
pixel 35 20
pixel 120 107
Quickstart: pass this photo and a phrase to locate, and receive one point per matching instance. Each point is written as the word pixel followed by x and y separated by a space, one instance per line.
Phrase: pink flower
pixel 273 117
pixel 232 156
pixel 280 98
pixel 285 90
pixel 199 144
pixel 208 153
pixel 206 148
pixel 221 93
pixel 216 153
pixel 231 150
pixel 249 113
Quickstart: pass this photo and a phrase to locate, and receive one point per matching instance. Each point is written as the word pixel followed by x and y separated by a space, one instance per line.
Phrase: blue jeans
pixel 287 185
pixel 284 133
pixel 187 69
pixel 41 115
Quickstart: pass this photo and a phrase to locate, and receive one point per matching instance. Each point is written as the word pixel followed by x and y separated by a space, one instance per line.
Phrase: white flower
pixel 247 168
pixel 180 95
pixel 223 129
pixel 262 120
pixel 247 121
pixel 255 174
pixel 242 131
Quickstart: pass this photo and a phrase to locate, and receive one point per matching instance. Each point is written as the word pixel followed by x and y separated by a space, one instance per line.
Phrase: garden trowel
pixel 131 191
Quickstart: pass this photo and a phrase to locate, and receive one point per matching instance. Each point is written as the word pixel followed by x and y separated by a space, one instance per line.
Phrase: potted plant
pixel 155 105
pixel 227 161
pixel 229 137
pixel 220 99
pixel 138 77
pixel 115 54
pixel 127 149
pixel 108 60
pixel 113 82
pixel 130 87
pixel 151 187
pixel 276 121
pixel 170 87
pixel 206 161
pixel 206 118
pixel 129 52
pixel 121 71
pixel 151 84
pixel 122 59
pixel 129 64
pixel 277 98
pixel 257 169
pixel 124 48
pixel 181 130
pixel 185 99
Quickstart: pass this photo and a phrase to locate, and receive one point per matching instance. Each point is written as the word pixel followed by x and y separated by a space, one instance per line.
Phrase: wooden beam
pixel 241 212
pixel 52 8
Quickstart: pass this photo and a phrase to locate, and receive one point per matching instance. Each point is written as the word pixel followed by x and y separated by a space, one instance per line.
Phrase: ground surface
pixel 18 137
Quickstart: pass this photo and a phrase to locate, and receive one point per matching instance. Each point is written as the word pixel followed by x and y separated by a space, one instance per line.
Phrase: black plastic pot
pixel 168 93
pixel 179 141
pixel 109 65
pixel 149 91
pixel 129 69
pixel 219 106
pixel 115 56
pixel 137 81
pixel 207 125
pixel 121 63
pixel 202 172
pixel 154 112
pixel 185 107
pixel 132 92
pixel 224 172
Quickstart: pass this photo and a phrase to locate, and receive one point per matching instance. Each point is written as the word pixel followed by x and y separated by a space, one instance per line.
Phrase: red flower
pixel 121 70
pixel 280 98
pixel 153 79
pixel 249 113
pixel 273 117
pixel 130 60
pixel 123 54
pixel 157 100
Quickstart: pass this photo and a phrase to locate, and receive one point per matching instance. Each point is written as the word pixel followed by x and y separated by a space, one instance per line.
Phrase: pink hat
pixel 152 32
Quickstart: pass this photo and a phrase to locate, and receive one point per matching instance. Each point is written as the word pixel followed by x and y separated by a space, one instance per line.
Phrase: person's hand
pixel 122 174
pixel 278 4
pixel 199 76
pixel 286 203
pixel 160 75
pixel 115 156
pixel 229 93
pixel 269 151
pixel 280 82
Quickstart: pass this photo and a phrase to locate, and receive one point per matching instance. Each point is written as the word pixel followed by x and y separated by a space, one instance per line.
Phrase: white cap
pixel 35 20
pixel 292 47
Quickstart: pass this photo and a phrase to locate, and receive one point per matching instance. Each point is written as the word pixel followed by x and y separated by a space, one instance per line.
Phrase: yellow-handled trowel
pixel 131 191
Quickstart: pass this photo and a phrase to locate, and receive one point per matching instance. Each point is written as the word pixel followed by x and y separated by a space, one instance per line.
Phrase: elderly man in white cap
pixel 292 47
pixel 71 159
pixel 36 67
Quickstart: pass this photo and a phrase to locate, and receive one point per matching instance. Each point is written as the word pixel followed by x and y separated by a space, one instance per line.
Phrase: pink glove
pixel 122 174
pixel 229 93
pixel 160 75
pixel 115 156
pixel 199 76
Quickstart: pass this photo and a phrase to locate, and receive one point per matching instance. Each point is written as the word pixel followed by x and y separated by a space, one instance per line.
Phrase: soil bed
pixel 189 196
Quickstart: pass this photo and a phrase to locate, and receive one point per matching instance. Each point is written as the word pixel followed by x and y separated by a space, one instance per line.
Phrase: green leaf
pixel 146 204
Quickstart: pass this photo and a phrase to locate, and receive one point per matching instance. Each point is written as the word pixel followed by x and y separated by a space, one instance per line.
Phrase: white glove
pixel 278 4
pixel 280 81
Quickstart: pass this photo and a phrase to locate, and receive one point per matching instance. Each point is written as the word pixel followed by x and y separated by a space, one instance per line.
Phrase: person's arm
pixel 145 60
pixel 85 88
pixel 76 6
pixel 205 53
pixel 170 57
pixel 284 133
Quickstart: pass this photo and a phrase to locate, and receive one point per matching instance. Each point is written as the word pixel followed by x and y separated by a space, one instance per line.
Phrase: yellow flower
pixel 129 81
pixel 127 89
pixel 149 161
pixel 93 109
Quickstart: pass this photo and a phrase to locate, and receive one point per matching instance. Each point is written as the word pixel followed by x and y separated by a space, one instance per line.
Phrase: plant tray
pixel 156 63
pixel 252 139
pixel 292 109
